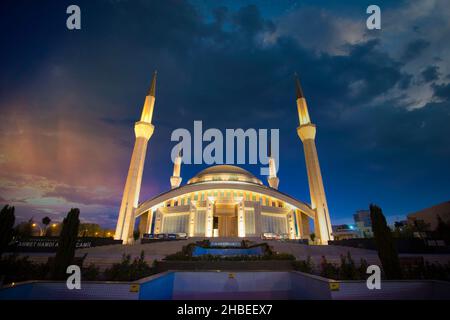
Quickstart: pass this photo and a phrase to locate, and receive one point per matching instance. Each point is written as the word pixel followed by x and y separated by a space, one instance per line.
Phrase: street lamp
pixel 34 225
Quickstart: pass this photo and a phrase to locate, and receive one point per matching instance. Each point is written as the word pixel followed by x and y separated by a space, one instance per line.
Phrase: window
pixel 175 224
pixel 274 224
pixel 249 222
pixel 200 216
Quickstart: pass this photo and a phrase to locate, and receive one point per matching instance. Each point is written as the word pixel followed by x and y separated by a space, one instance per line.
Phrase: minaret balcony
pixel 307 132
pixel 143 130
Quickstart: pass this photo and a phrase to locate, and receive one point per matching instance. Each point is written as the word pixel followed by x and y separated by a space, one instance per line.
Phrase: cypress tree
pixel 7 219
pixel 385 245
pixel 66 245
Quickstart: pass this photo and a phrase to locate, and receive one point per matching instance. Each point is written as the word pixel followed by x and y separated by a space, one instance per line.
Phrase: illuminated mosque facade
pixel 224 200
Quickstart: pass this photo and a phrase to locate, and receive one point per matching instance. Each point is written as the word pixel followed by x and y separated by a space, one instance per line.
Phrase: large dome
pixel 224 173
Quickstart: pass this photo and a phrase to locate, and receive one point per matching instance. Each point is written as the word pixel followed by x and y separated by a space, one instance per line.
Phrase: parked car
pixel 270 236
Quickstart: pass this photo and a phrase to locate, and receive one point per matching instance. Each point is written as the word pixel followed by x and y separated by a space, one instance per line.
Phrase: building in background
pixel 428 217
pixel 345 231
pixel 363 223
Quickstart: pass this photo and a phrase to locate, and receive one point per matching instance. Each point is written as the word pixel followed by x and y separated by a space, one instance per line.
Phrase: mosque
pixel 224 200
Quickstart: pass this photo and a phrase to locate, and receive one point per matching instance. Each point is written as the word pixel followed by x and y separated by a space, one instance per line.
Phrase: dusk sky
pixel 69 99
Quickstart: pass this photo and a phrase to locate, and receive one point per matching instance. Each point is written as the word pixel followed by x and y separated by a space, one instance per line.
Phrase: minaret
pixel 175 179
pixel 143 130
pixel 272 179
pixel 307 133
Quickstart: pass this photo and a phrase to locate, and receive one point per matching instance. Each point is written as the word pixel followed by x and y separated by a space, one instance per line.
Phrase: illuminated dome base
pixel 225 201
pixel 224 173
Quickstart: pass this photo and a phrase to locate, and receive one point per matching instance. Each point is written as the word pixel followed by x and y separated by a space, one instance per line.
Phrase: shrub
pixel 328 270
pixel 91 273
pixel 128 270
pixel 348 269
pixel 15 269
pixel 430 271
pixel 304 265
pixel 279 256
pixel 362 269
pixel 204 243
pixel 186 255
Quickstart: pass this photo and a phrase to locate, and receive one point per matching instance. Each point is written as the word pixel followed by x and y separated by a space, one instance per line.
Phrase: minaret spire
pixel 143 130
pixel 298 87
pixel 307 133
pixel 302 107
pixel 175 179
pixel 152 89
pixel 149 103
pixel 272 179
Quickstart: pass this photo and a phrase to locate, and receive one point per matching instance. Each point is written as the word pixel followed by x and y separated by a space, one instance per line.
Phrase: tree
pixel 66 245
pixel 89 230
pixel 46 221
pixel 25 229
pixel 443 229
pixel 7 219
pixel 402 230
pixel 420 226
pixel 385 245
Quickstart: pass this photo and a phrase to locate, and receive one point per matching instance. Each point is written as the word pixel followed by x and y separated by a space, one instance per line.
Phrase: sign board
pixel 234 244
pixel 134 288
pixel 334 286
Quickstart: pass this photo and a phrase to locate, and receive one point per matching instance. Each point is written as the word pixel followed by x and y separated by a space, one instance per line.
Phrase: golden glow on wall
pixel 227 195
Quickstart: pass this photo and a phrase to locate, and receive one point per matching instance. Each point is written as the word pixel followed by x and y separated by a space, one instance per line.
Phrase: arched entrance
pixel 225 220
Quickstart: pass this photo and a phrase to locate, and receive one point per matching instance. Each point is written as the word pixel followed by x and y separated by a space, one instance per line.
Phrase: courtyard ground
pixel 104 256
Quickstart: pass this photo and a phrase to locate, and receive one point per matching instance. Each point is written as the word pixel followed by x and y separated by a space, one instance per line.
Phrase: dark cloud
pixel 248 19
pixel 430 74
pixel 442 91
pixel 414 49
pixel 231 69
